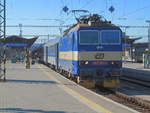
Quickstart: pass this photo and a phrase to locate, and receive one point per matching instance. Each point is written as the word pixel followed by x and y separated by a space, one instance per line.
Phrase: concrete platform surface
pixel 138 66
pixel 136 70
pixel 41 90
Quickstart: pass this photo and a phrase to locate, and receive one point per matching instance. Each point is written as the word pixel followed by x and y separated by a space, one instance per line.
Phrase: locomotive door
pixel 72 53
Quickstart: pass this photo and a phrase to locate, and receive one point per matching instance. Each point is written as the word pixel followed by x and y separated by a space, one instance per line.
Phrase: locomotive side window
pixel 110 37
pixel 89 37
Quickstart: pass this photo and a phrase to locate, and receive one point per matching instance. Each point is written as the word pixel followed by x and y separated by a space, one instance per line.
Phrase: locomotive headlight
pixel 84 62
pixel 113 63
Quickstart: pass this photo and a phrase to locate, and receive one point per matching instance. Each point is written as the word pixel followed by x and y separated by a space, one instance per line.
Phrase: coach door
pixel 46 54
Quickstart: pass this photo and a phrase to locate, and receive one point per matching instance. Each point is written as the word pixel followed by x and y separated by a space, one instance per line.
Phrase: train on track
pixel 90 50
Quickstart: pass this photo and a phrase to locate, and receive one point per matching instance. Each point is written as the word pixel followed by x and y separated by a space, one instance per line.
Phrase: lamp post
pixel 20 28
pixel 3 36
pixel 148 52
pixel 148 21
pixel 125 44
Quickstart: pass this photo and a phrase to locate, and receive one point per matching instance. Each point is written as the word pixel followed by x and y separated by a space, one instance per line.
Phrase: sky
pixel 43 12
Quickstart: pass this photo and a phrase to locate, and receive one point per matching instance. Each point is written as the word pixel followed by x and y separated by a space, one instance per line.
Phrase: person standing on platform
pixel 148 60
pixel 145 58
pixel 27 59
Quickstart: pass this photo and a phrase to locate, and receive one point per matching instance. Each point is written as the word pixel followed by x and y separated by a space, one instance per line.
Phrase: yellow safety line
pixel 74 93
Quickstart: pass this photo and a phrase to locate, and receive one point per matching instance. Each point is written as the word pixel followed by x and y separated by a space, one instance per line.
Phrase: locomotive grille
pixel 99 72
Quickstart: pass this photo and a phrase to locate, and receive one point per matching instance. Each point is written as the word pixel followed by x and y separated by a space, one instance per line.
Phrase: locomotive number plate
pixel 99 56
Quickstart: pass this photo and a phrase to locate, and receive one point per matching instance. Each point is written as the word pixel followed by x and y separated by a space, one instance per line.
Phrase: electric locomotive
pixel 92 50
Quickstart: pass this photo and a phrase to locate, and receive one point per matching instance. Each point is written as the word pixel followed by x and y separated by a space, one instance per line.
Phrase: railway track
pixel 130 101
pixel 136 81
pixel 138 84
pixel 134 102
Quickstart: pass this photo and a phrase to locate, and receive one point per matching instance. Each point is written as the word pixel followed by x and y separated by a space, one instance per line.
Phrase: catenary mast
pixel 3 36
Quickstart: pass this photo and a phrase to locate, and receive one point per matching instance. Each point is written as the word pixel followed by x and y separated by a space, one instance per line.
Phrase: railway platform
pixel 42 90
pixel 137 66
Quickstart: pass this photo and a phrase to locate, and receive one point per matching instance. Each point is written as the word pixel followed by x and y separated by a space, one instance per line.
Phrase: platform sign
pixel 111 9
pixel 65 9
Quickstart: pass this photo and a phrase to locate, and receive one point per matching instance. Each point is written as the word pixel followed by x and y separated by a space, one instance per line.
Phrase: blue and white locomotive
pixel 91 52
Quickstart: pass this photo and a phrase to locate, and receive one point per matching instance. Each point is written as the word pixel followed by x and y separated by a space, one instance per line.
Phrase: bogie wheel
pixel 69 75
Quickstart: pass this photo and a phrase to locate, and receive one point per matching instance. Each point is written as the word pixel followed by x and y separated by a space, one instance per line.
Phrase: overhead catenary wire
pixel 69 25
pixel 39 26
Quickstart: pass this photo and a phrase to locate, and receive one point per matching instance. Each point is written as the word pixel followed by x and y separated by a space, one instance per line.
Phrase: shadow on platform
pixel 31 81
pixel 44 82
pixel 24 68
pixel 22 110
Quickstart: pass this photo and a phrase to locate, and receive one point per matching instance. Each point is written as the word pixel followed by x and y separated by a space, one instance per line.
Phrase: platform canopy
pixel 128 42
pixel 17 41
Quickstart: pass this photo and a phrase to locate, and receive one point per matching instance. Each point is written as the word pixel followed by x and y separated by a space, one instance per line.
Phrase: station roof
pixel 17 41
pixel 130 40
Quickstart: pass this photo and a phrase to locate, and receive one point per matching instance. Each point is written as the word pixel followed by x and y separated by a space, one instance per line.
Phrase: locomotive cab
pixel 100 55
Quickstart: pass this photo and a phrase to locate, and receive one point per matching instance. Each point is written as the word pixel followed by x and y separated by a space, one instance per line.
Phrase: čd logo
pixel 99 56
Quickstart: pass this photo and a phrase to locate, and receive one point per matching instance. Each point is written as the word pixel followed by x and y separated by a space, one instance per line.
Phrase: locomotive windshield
pixel 110 37
pixel 89 37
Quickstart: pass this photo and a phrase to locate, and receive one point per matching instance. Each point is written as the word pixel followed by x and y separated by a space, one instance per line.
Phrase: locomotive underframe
pixel 109 81
pixel 101 77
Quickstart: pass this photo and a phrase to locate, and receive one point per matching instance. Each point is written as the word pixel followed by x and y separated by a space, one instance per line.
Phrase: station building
pixel 133 51
pixel 16 46
pixel 128 47
pixel 138 51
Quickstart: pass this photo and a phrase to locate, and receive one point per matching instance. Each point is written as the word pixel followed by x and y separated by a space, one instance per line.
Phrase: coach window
pixel 110 37
pixel 89 37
